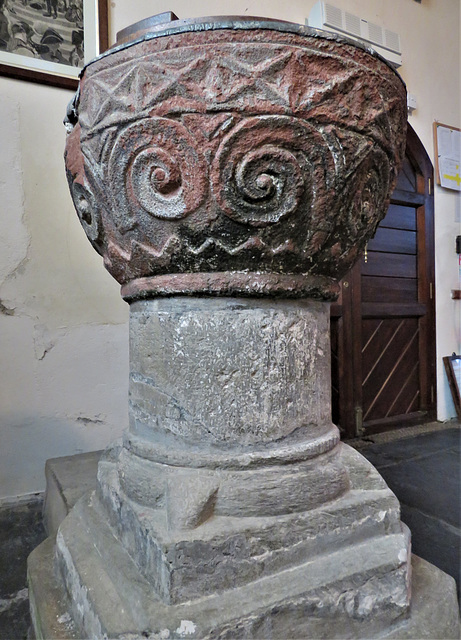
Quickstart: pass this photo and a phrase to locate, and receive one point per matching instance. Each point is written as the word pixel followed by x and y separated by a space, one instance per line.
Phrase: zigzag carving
pixel 174 243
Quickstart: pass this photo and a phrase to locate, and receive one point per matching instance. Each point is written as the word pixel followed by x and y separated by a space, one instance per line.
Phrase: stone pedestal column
pixel 230 171
pixel 230 423
pixel 229 386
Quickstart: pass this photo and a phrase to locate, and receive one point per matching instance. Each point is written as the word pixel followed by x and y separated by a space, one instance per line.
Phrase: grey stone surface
pixel 229 417
pixel 345 563
pixel 229 371
pixel 49 605
pixel 287 532
pixel 433 599
pixel 193 494
pixel 433 607
pixel 67 479
pixel 435 540
pixel 116 588
pixel 412 442
pixel 430 536
pixel 226 551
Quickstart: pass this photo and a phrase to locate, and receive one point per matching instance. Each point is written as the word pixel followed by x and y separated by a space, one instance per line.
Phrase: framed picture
pixel 453 370
pixel 49 41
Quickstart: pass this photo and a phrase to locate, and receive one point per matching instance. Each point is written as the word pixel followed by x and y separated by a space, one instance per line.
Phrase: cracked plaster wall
pixel 63 331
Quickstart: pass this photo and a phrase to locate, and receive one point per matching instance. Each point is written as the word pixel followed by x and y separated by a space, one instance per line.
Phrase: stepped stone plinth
pixel 230 171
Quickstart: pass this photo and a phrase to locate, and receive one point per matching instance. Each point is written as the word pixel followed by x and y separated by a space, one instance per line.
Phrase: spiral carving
pixel 85 204
pixel 263 169
pixel 155 167
pixel 369 193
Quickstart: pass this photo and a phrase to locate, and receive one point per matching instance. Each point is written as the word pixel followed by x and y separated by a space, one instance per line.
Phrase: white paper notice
pixel 449 173
pixel 449 152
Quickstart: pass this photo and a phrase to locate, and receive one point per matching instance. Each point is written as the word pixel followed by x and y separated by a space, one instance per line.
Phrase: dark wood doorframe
pixel 349 314
pixel 426 269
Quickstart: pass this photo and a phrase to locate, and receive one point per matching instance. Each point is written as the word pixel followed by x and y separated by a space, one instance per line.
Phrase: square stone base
pixel 354 584
pixel 433 612
pixel 227 552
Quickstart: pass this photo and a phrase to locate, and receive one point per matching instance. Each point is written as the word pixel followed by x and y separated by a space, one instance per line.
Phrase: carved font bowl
pixel 234 156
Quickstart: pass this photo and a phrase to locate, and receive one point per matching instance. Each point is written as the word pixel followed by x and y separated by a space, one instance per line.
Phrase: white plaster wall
pixel 63 332
pixel 63 326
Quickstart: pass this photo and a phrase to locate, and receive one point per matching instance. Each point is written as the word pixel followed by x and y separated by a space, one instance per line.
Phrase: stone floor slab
pixel 403 448
pixel 21 531
pixel 430 483
pixel 425 474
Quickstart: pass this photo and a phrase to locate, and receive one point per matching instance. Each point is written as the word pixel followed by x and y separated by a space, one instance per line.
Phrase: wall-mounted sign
pixel 447 148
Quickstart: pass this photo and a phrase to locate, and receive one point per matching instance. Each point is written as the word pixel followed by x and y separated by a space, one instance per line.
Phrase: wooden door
pixel 382 328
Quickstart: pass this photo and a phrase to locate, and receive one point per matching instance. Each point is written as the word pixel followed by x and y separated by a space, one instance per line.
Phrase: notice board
pixel 447 147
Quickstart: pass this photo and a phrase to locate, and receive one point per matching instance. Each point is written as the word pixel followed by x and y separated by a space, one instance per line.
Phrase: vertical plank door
pixel 382 328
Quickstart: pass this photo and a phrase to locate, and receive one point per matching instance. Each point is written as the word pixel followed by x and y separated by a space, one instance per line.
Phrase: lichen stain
pixel 187 627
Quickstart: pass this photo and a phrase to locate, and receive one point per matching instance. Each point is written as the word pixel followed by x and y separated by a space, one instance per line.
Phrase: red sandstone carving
pixel 235 150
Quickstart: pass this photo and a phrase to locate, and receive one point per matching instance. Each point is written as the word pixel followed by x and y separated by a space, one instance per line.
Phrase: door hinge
pixel 359 430
pixel 429 186
pixel 432 394
pixel 431 293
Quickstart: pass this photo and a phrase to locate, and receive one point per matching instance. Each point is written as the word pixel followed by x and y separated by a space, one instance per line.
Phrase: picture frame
pixel 49 41
pixel 453 370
